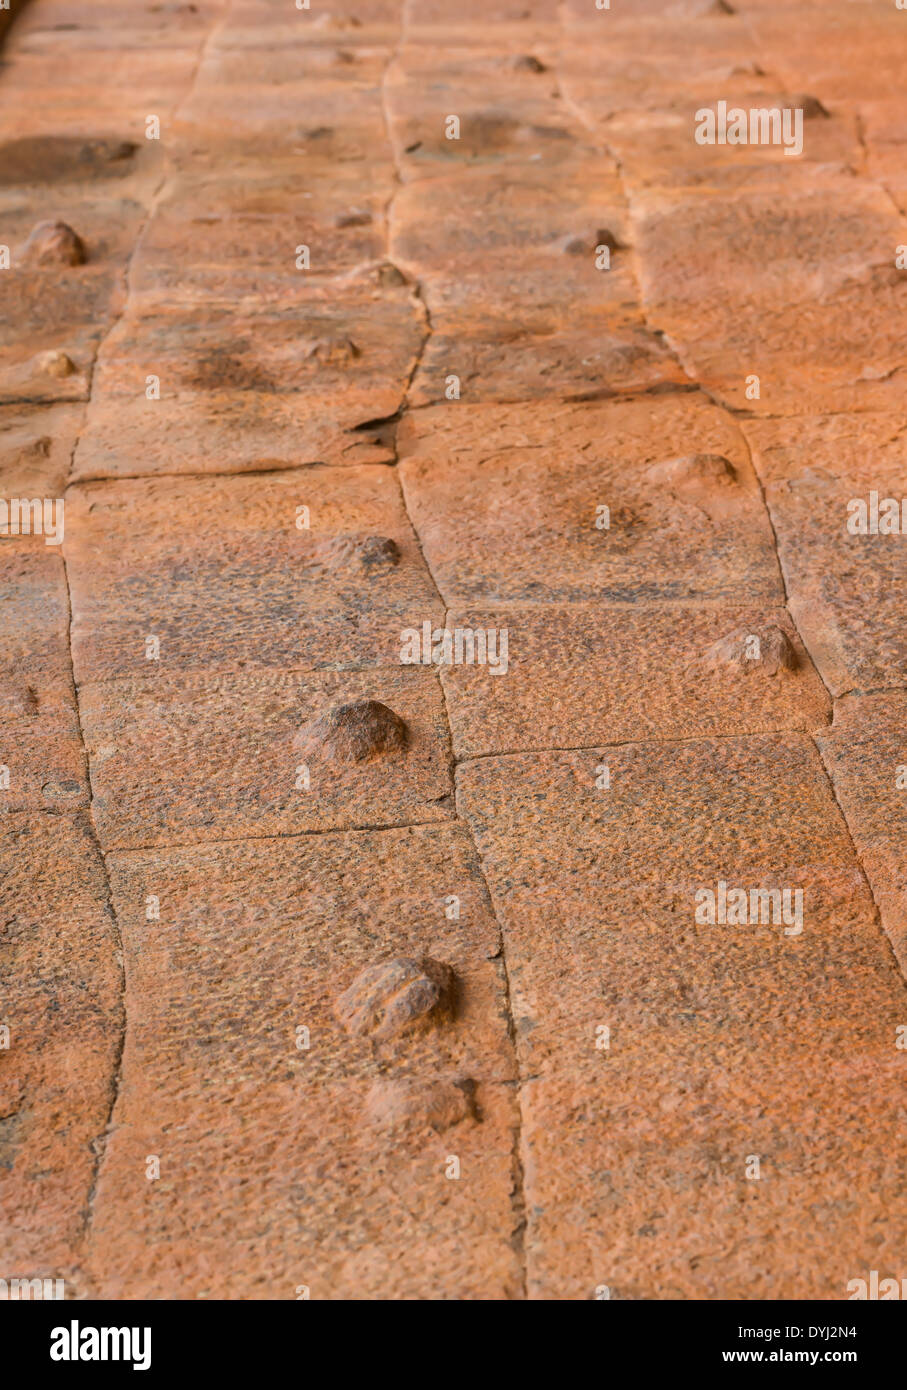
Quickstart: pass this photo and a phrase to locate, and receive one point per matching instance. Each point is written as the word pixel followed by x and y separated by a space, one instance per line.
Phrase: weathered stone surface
pixel 271 1174
pixel 847 589
pixel 395 996
pixel 63 287
pixel 638 78
pixel 726 1041
pixel 807 307
pixel 764 651
pixel 224 228
pixel 236 580
pixel 54 243
pixel 355 732
pixel 281 277
pixel 247 388
pixel 512 316
pixel 506 501
pixel 438 1105
pixel 42 762
pixel 186 759
pixel 581 675
pixel 60 998
pixel 866 754
pixel 35 449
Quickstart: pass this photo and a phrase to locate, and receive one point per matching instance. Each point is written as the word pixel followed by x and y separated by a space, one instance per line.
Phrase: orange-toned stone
pixel 726 1041
pixel 866 754
pixel 187 759
pixel 36 448
pixel 273 1172
pixel 61 1000
pixel 847 590
pixel 580 675
pixel 248 387
pixel 42 762
pixel 228 576
pixel 224 227
pixel 506 501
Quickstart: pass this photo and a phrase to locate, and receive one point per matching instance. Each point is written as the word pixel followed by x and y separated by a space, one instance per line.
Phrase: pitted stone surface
pixel 767 650
pixel 355 732
pixel 239 747
pixel 507 501
pixel 296 570
pixel 419 321
pixel 267 1146
pixel 61 1000
pixel 724 1040
pixel 866 754
pixel 579 676
pixel 439 1105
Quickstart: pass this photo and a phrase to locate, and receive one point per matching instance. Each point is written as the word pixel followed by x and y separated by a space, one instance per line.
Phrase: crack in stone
pixel 101 1142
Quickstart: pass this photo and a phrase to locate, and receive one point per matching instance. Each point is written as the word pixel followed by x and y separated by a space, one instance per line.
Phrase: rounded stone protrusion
pixel 389 274
pixel 384 274
pixel 54 243
pixel 698 470
pixel 334 352
pixel 767 649
pixel 411 1105
pixel 585 246
pixel 396 996
pixel 355 732
pixel 605 237
pixel 378 552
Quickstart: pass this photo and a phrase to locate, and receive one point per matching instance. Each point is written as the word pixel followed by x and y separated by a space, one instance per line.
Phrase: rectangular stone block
pixel 42 762
pixel 866 755
pixel 188 759
pixel 846 569
pixel 247 388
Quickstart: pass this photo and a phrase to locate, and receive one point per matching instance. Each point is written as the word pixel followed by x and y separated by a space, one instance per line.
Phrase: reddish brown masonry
pixel 332 970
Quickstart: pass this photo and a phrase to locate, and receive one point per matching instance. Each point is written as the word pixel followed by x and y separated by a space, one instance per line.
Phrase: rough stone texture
pixel 228 581
pixel 753 651
pixel 409 382
pixel 271 1175
pixel 35 449
pixel 253 388
pixel 589 674
pixel 54 243
pixel 40 743
pixel 355 732
pixel 237 747
pixel 61 999
pixel 412 1105
pixel 395 997
pixel 725 1041
pixel 847 592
